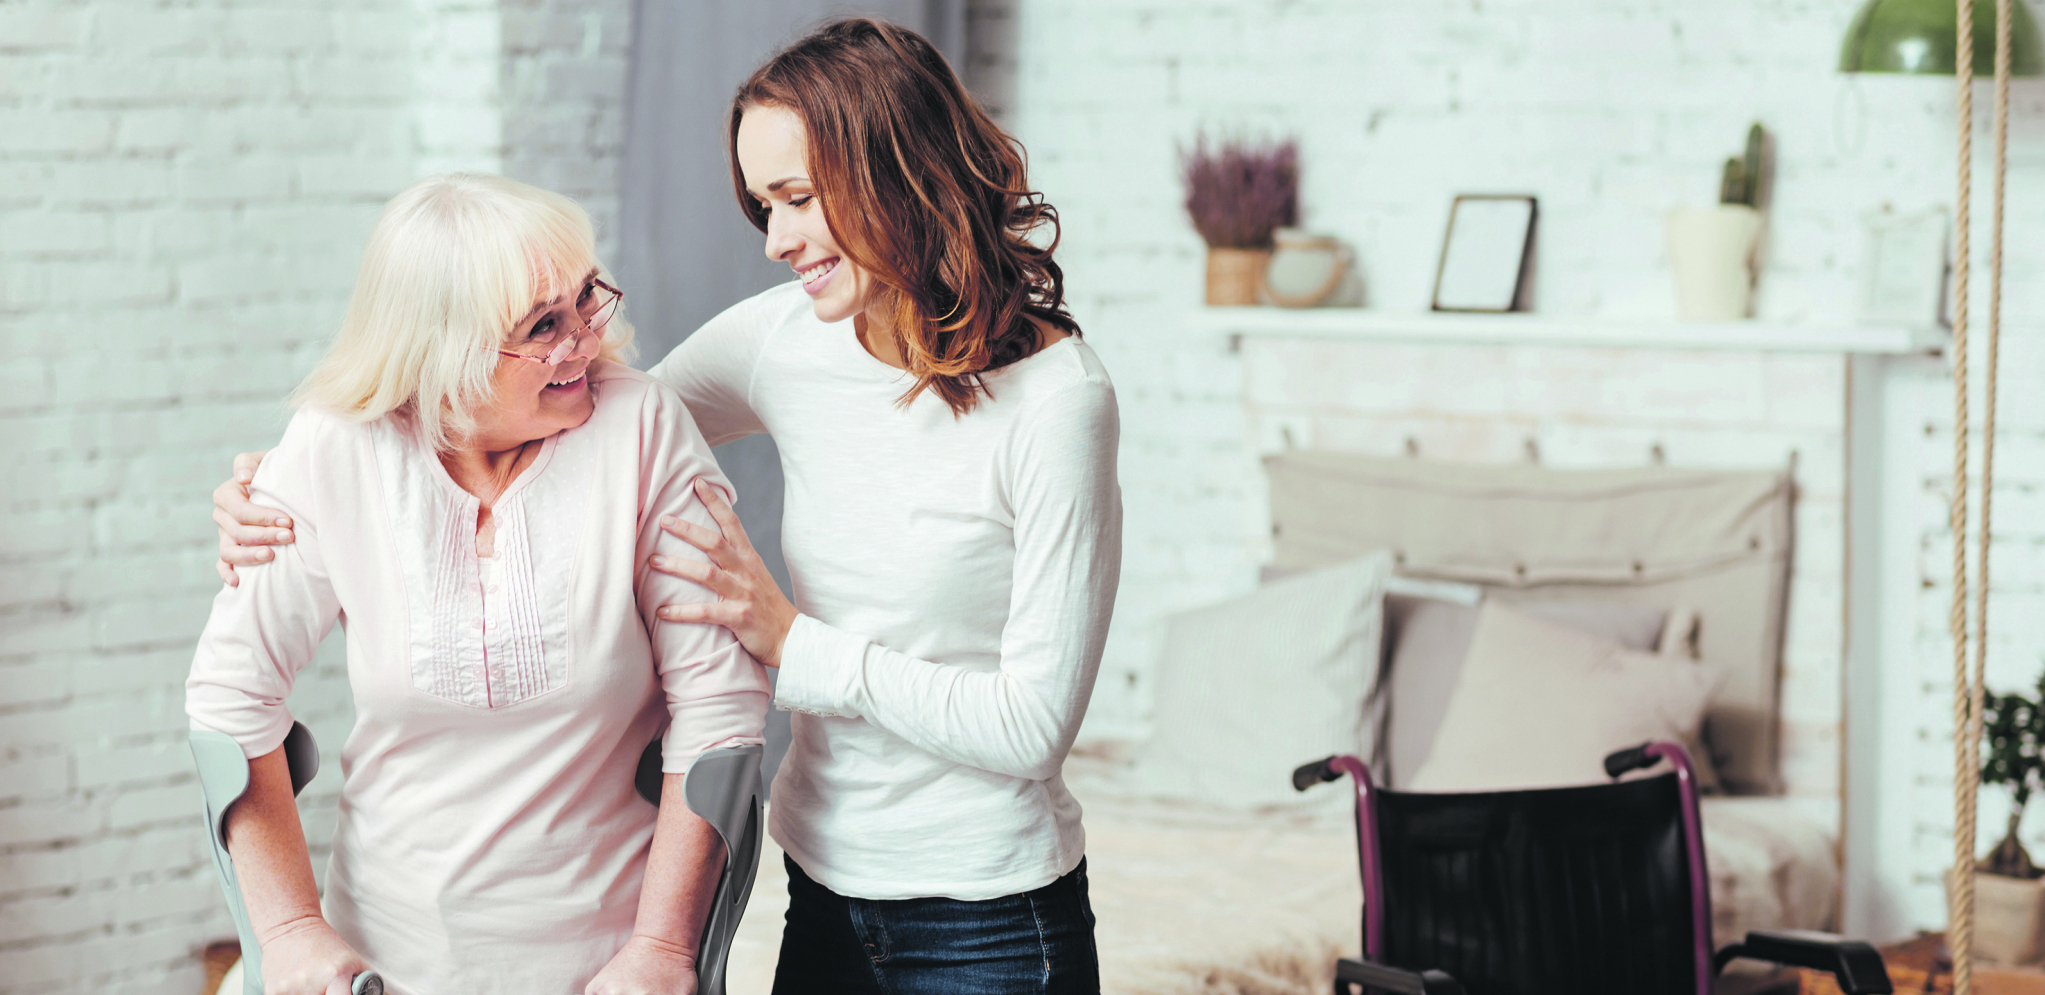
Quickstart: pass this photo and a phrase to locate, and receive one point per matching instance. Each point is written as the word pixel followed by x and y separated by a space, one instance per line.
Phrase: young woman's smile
pixel 815 278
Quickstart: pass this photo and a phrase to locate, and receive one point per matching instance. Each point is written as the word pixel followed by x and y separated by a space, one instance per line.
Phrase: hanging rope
pixel 2003 18
pixel 1970 687
pixel 1966 759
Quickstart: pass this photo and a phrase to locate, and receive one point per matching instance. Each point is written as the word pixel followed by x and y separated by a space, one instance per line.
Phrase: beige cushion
pixel 1427 640
pixel 1715 541
pixel 1540 704
pixel 1248 689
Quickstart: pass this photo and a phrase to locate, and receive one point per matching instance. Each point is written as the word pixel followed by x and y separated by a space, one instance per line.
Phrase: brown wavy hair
pixel 922 190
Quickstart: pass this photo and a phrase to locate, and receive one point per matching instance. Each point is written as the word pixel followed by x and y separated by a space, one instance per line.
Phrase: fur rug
pixel 1276 971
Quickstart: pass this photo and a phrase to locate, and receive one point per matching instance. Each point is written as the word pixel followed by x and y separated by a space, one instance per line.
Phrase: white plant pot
pixel 1711 255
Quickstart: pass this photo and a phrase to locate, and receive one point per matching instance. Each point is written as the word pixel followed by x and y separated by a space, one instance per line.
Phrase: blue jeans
pixel 1035 941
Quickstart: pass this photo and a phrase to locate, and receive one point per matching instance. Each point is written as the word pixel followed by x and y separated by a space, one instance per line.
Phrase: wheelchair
pixel 722 787
pixel 1592 890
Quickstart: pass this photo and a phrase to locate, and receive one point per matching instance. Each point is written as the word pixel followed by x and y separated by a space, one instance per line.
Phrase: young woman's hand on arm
pixel 748 603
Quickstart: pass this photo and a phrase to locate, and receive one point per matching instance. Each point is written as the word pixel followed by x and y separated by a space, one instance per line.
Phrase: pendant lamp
pixel 1921 36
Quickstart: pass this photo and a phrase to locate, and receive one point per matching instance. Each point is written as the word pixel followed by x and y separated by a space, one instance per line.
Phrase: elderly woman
pixel 452 476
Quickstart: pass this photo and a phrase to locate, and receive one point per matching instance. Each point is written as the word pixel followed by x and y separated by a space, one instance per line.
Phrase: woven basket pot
pixel 2009 919
pixel 1234 275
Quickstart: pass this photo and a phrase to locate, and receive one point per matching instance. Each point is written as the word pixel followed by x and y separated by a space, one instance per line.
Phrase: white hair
pixel 455 262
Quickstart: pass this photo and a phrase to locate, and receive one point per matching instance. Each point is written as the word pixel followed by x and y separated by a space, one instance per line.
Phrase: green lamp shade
pixel 1920 36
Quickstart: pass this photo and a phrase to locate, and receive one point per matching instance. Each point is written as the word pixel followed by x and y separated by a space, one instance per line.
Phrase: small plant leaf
pixel 1751 167
pixel 1732 188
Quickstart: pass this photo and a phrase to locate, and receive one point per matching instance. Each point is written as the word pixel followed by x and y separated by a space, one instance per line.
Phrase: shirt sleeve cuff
pixel 819 669
pixel 259 729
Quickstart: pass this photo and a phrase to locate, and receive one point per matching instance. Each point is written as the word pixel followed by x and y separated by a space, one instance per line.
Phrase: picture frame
pixel 1906 269
pixel 1486 254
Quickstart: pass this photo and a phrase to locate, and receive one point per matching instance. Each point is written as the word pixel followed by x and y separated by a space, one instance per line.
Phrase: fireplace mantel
pixel 1366 325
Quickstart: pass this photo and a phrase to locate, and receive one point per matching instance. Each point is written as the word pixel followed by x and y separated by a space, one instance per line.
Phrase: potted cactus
pixel 2009 897
pixel 1712 250
pixel 1238 193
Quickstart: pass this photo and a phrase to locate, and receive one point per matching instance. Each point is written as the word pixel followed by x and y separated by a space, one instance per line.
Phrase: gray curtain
pixel 685 251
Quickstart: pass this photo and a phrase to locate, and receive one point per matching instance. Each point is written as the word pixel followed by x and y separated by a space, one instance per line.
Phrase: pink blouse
pixel 489 836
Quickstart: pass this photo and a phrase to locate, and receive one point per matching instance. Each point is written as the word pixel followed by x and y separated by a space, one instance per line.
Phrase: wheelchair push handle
pixel 1318 772
pixel 1630 759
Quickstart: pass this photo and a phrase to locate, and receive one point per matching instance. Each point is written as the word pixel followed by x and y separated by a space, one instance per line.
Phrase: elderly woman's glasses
pixel 593 310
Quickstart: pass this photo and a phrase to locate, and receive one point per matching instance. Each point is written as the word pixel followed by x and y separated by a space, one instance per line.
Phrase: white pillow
pixel 1540 704
pixel 1251 688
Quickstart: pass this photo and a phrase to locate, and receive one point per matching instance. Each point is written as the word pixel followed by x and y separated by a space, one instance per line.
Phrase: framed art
pixel 1906 269
pixel 1486 254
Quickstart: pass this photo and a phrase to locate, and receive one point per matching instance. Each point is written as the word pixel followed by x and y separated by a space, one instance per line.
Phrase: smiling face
pixel 773 157
pixel 538 399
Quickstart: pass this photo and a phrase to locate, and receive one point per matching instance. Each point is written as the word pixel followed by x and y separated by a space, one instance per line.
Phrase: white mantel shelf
pixel 1365 325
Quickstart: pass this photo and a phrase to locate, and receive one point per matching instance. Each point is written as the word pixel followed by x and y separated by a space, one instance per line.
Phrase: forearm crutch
pixel 723 788
pixel 223 779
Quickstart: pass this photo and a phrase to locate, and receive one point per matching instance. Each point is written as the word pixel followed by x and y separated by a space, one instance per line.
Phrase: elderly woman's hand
pixel 306 957
pixel 247 530
pixel 750 604
pixel 646 966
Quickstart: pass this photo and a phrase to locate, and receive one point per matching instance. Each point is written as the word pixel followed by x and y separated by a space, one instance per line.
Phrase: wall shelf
pixel 1366 325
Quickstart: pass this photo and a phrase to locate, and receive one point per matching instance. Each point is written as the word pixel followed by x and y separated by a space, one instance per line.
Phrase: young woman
pixel 438 475
pixel 952 524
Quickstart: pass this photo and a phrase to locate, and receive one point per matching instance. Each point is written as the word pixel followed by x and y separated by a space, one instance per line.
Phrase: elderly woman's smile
pixel 541 380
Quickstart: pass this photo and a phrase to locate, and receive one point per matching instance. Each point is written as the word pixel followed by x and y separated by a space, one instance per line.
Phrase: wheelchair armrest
pixel 1378 977
pixel 1857 966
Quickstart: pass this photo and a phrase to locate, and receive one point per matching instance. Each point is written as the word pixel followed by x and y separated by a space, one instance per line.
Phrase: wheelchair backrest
pixel 1561 891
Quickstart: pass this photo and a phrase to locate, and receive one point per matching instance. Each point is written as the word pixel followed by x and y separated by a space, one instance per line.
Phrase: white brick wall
pixel 563 71
pixel 184 191
pixel 1612 111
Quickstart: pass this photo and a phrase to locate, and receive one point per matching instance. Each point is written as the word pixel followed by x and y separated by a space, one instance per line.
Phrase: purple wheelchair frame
pixel 1856 965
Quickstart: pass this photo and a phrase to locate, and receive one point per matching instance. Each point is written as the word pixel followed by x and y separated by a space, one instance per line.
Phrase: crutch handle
pixel 367 983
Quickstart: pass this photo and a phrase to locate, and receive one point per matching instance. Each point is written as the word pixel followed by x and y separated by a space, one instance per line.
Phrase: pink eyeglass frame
pixel 593 325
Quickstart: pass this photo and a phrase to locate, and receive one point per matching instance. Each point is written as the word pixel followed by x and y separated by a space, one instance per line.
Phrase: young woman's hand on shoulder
pixel 247 530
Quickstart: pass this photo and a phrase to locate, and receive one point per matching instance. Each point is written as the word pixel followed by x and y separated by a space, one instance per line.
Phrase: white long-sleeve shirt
pixel 955 577
pixel 490 838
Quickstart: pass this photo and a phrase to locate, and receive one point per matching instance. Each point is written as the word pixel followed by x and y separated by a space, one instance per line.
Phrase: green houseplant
pixel 2009 895
pixel 2013 726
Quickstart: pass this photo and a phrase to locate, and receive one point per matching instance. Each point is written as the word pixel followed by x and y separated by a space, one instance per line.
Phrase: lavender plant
pixel 1238 192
